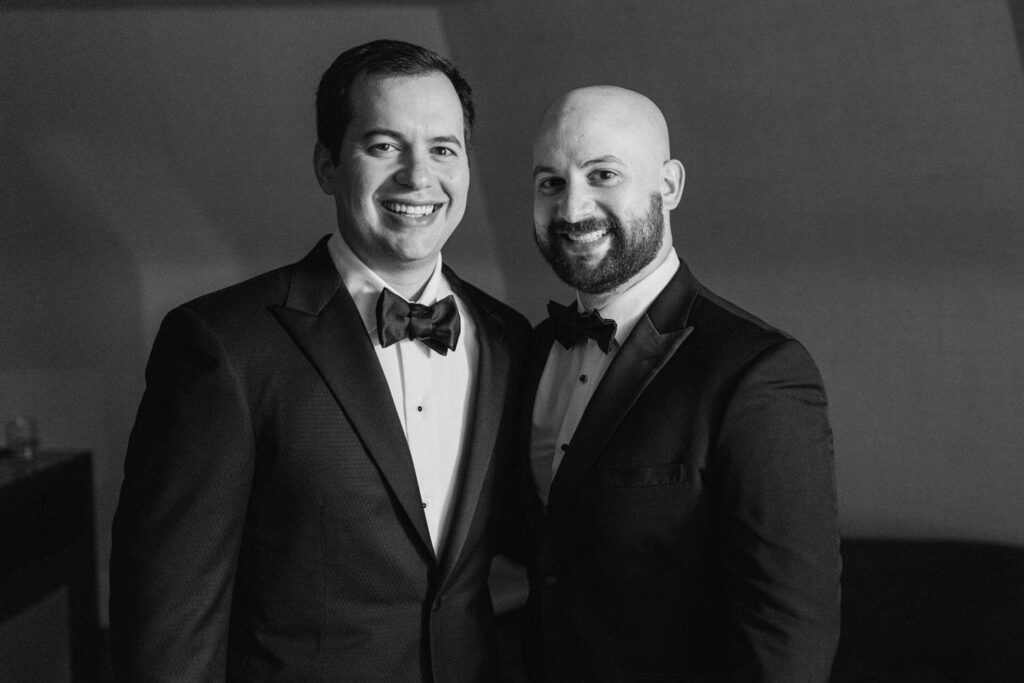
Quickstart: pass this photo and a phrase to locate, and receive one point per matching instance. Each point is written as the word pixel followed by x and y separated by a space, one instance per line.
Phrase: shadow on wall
pixel 71 342
pixel 101 237
pixel 1017 13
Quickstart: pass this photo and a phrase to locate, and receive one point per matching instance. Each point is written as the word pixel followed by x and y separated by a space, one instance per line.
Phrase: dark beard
pixel 632 248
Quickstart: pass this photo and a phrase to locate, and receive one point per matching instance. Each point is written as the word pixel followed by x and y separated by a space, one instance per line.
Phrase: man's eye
pixel 444 151
pixel 603 175
pixel 383 147
pixel 550 185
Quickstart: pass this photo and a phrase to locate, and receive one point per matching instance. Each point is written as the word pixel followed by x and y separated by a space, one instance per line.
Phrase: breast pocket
pixel 670 474
pixel 643 517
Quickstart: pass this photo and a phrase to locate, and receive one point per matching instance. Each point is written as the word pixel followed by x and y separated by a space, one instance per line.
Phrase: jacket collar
pixel 322 319
pixel 654 340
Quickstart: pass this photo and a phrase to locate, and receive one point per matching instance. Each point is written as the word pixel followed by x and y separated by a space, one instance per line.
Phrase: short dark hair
pixel 379 57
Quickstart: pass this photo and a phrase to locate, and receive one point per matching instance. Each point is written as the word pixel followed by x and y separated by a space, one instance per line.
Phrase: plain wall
pixel 854 176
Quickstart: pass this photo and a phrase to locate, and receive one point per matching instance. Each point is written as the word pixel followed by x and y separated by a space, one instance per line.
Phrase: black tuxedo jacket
pixel 270 525
pixel 691 528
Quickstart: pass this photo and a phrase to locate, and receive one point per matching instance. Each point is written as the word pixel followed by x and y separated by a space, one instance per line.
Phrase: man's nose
pixel 576 203
pixel 415 172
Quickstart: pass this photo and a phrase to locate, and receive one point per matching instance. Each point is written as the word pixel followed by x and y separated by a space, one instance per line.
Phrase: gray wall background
pixel 854 176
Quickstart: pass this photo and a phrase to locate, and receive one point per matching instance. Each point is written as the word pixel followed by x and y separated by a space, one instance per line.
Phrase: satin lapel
pixel 493 364
pixel 656 337
pixel 540 349
pixel 324 322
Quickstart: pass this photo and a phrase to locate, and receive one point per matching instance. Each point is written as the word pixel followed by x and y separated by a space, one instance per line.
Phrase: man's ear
pixel 324 168
pixel 673 178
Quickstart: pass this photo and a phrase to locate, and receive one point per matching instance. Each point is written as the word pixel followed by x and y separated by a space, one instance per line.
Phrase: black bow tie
pixel 437 326
pixel 571 326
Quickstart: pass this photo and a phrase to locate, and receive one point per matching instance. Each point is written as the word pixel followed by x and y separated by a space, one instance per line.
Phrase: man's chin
pixel 583 272
pixel 415 247
pixel 586 279
pixel 584 264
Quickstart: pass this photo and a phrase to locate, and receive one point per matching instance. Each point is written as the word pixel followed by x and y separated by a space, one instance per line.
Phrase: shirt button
pixel 583 379
pixel 424 506
pixel 419 409
pixel 564 447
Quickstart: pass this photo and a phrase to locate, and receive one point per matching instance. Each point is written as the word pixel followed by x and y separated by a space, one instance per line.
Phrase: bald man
pixel 681 496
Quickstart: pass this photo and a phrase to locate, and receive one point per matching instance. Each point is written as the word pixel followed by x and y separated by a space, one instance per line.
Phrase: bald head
pixel 603 110
pixel 604 184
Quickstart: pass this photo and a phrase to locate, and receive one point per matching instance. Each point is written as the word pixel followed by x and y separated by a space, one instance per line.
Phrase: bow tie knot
pixel 571 326
pixel 437 326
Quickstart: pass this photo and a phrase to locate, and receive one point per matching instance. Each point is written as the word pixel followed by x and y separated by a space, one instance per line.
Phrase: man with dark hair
pixel 309 488
pixel 333 108
pixel 679 489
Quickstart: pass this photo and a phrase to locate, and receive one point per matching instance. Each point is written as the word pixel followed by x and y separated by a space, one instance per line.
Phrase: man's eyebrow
pixel 451 139
pixel 601 160
pixel 387 132
pixel 537 170
pixel 586 164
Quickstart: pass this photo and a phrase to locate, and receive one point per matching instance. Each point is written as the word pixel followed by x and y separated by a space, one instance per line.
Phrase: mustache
pixel 563 227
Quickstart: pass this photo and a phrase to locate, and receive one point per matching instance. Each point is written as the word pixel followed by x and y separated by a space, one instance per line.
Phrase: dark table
pixel 47 541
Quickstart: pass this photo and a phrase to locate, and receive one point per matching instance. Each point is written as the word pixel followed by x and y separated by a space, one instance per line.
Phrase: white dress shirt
pixel 572 375
pixel 432 393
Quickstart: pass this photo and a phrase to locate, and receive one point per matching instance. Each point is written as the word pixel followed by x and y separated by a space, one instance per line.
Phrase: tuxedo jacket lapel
pixel 321 317
pixel 658 334
pixel 492 377
pixel 540 348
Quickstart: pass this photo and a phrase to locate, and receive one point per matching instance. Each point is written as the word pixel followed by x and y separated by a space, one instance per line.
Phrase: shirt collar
pixel 365 286
pixel 626 307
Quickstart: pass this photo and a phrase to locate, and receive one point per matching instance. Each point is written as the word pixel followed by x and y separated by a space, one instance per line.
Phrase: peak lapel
pixel 540 348
pixel 492 378
pixel 657 335
pixel 323 321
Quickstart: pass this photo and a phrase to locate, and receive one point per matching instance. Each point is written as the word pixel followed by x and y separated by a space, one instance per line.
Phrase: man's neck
pixel 409 283
pixel 406 278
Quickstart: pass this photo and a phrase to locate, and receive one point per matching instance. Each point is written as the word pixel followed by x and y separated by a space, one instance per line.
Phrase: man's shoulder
pixel 728 336
pixel 271 287
pixel 719 317
pixel 244 307
pixel 728 339
pixel 255 292
pixel 506 316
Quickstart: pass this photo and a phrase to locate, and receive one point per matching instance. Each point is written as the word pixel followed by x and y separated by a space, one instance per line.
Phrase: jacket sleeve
pixel 180 516
pixel 779 537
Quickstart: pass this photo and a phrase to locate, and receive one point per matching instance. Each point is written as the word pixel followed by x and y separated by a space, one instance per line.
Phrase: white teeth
pixel 586 237
pixel 411 209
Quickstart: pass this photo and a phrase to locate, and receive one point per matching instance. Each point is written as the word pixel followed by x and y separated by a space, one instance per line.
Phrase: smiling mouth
pixel 413 210
pixel 585 237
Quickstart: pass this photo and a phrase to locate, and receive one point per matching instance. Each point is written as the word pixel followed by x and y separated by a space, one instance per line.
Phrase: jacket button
pixel 437 603
pixel 550 580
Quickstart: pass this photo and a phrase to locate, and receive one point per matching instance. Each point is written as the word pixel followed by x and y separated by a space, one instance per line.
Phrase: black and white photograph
pixel 512 341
